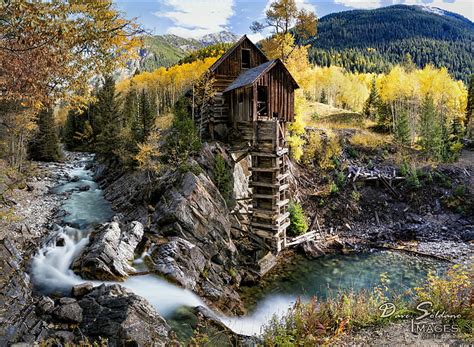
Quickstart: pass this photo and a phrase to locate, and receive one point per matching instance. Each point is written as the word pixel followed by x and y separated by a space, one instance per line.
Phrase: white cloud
pixel 366 4
pixel 301 4
pixel 194 18
pixel 463 7
pixel 255 37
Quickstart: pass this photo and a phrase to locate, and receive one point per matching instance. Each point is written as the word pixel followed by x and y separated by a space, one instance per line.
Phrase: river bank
pixel 77 188
pixel 36 210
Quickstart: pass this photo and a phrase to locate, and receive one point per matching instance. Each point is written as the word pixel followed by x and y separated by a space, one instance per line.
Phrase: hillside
pixel 167 50
pixel 373 40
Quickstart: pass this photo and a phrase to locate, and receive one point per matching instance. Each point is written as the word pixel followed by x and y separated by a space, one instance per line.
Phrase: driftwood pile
pixel 386 175
pixel 365 174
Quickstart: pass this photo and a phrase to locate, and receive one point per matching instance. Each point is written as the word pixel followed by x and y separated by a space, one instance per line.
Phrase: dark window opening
pixel 262 101
pixel 241 96
pixel 245 58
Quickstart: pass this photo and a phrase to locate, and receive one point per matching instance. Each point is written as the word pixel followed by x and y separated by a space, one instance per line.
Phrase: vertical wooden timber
pixel 269 182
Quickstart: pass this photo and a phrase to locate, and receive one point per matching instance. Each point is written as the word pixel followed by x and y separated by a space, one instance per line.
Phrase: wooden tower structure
pixel 253 104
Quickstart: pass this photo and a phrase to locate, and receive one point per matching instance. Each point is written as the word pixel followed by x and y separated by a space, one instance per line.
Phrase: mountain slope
pixel 373 40
pixel 167 50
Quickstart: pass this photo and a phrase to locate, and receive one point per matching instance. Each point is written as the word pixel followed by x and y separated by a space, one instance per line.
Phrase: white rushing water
pixel 51 271
pixel 86 206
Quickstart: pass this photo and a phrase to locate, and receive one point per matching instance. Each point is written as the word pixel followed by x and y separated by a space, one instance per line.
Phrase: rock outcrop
pixel 178 260
pixel 18 320
pixel 123 318
pixel 110 313
pixel 190 225
pixel 111 248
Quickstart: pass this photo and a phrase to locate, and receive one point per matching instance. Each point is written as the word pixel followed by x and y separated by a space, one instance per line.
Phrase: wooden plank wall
pixel 232 66
pixel 280 93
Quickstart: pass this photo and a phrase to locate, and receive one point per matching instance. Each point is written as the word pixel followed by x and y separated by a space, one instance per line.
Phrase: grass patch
pixel 319 322
pixel 369 140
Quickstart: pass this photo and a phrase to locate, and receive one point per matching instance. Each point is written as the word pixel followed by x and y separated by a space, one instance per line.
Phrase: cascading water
pixel 86 207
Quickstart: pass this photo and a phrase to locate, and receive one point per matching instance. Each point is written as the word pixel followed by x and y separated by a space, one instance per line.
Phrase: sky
pixel 195 18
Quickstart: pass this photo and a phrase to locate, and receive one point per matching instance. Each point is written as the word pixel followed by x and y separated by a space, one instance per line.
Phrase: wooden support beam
pixel 264 169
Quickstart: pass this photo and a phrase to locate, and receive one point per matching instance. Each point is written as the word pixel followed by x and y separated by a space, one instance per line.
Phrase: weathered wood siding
pixel 231 67
pixel 226 72
pixel 240 102
pixel 281 97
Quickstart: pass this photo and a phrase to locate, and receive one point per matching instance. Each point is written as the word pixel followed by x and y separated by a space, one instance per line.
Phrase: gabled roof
pixel 248 77
pixel 231 49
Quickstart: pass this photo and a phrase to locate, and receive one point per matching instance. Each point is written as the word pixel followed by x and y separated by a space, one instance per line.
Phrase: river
pixel 303 278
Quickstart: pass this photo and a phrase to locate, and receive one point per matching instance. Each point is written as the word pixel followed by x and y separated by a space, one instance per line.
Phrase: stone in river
pixel 110 250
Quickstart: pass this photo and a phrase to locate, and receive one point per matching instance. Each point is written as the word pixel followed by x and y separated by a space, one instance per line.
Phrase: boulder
pixel 84 188
pixel 123 318
pixel 110 250
pixel 68 311
pixel 82 289
pixel 45 305
pixel 75 179
pixel 180 261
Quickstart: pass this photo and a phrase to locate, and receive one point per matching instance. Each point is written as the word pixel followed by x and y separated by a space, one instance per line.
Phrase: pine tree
pixel 324 98
pixel 107 118
pixel 146 116
pixel 182 140
pixel 402 129
pixel 428 128
pixel 204 93
pixel 372 104
pixel 470 109
pixel 223 179
pixel 444 151
pixel 46 145
pixel 70 129
pixel 408 63
pixel 144 121
pixel 130 107
pixel 455 138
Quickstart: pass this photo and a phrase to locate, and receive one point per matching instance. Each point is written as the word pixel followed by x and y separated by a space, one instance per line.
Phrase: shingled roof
pixel 248 77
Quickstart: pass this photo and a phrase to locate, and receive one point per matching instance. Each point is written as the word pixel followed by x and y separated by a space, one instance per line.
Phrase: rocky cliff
pixel 193 236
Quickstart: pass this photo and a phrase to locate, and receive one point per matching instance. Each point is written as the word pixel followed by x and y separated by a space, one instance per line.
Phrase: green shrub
pixel 333 188
pixel 223 179
pixel 298 224
pixel 315 116
pixel 460 191
pixel 182 140
pixel 411 173
pixel 340 179
pixel 355 195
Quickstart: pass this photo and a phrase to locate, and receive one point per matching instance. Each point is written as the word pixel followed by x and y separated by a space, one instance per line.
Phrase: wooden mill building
pixel 254 102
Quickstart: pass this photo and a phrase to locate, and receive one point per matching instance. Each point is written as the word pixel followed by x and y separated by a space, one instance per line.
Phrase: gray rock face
pixel 68 311
pixel 114 313
pixel 109 252
pixel 18 319
pixel 82 289
pixel 180 261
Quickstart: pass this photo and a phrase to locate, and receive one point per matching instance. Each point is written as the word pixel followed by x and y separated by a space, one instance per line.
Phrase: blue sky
pixel 194 18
